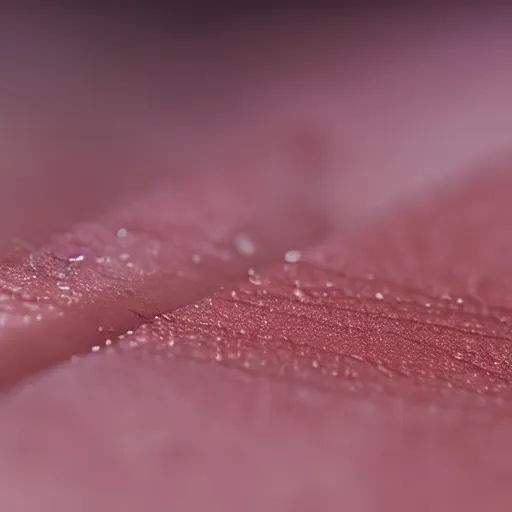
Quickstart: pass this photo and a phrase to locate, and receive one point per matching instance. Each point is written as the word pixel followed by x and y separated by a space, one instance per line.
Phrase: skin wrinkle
pixel 330 326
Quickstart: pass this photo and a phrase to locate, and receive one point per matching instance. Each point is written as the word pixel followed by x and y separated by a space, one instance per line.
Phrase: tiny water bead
pixel 292 256
pixel 122 233
pixel 298 293
pixel 244 245
pixel 78 258
pixel 255 280
pixel 379 296
pixel 196 258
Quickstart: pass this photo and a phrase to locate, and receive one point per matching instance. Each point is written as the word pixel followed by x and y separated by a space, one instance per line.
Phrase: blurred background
pixel 98 102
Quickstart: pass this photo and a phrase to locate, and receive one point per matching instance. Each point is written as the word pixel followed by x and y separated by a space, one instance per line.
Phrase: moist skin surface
pixel 329 328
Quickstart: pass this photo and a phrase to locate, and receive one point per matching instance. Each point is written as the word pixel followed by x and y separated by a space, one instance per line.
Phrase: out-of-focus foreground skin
pixel 259 267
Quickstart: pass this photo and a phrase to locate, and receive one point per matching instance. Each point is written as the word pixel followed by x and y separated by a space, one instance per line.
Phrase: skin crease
pixel 364 401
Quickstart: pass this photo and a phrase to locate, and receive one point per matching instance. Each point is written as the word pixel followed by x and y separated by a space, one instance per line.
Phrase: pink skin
pixel 372 374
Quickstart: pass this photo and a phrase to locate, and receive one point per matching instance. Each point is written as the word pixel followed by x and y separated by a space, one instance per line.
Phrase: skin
pixel 372 373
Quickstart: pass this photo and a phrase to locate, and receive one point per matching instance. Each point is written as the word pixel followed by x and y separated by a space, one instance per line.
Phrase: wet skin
pixel 308 306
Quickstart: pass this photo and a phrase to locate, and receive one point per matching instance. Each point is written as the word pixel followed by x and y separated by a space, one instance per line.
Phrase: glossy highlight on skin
pixel 312 312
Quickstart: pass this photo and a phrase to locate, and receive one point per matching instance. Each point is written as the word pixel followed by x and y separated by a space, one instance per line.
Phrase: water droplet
pixel 76 258
pixel 233 294
pixel 63 287
pixel 255 280
pixel 95 348
pixel 379 296
pixel 242 331
pixel 122 233
pixel 298 293
pixel 124 256
pixel 218 357
pixel 253 277
pixel 244 245
pixel 329 284
pixel 292 256
pixel 196 258
pixel 460 301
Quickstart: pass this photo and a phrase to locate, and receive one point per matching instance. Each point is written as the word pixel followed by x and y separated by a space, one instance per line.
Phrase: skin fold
pixel 304 305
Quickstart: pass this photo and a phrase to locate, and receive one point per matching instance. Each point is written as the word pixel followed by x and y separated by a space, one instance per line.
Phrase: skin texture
pixel 370 371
